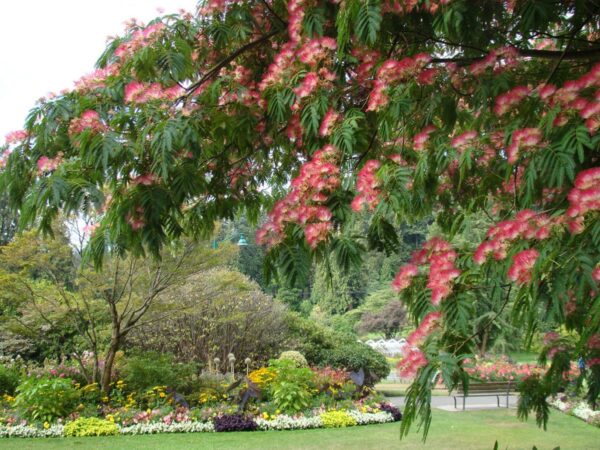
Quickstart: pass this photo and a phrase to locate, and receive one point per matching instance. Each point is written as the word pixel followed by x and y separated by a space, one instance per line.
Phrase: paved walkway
pixel 473 403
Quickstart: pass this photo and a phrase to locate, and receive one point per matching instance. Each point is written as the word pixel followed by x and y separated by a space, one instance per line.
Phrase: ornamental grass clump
pixel 337 419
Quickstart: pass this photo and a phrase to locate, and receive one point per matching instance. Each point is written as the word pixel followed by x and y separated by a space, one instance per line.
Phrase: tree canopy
pixel 318 110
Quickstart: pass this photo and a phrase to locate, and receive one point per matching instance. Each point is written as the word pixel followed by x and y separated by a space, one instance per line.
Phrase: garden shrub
pixel 291 388
pixel 337 419
pixel 324 347
pixel 46 399
pixel 234 422
pixel 294 356
pixel 9 379
pixel 353 356
pixel 91 426
pixel 145 370
pixel 389 408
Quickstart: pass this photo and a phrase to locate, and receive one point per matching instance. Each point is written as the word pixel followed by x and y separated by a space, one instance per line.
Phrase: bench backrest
pixel 493 386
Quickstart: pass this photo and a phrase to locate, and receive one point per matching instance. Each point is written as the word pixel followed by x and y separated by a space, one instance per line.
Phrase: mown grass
pixel 449 430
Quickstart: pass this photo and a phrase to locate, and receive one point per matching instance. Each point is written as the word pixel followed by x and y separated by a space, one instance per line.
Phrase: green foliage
pixel 337 419
pixel 91 426
pixel 146 370
pixel 324 347
pixel 46 399
pixel 353 356
pixel 243 124
pixel 10 378
pixel 296 357
pixel 291 388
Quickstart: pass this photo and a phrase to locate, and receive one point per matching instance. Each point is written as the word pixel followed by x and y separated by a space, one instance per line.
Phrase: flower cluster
pixel 408 6
pixel 139 92
pixel 15 136
pixel 585 196
pixel 139 38
pixel 496 60
pixel 523 262
pixel 505 102
pixel 404 277
pixel 393 71
pixel 46 164
pixel 367 186
pixel 523 139
pixel 420 139
pixel 527 224
pixel 316 50
pixel 440 256
pixel 413 359
pixel 329 120
pixel 160 427
pixel 95 79
pixel 580 409
pixel 429 322
pixel 303 205
pixel 463 140
pixel 89 120
pixel 570 98
pixel 500 369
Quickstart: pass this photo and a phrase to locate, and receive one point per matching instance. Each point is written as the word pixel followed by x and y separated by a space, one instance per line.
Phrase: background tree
pixel 212 314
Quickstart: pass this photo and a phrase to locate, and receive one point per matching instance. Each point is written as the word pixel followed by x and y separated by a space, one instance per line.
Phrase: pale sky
pixel 45 45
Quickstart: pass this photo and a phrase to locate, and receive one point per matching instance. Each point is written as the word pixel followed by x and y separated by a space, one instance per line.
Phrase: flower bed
pixel 280 422
pixel 578 408
pixel 285 395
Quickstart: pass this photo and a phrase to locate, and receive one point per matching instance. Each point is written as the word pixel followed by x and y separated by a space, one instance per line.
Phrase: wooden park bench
pixel 493 389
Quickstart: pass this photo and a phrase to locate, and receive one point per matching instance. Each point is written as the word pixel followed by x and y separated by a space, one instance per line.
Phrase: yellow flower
pixel 46 425
pixel 105 399
pixel 110 418
pixel 265 416
pixel 162 395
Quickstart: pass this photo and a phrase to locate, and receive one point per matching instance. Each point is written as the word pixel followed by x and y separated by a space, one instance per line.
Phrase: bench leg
pixel 455 402
pixel 498 399
pixel 464 399
pixel 507 395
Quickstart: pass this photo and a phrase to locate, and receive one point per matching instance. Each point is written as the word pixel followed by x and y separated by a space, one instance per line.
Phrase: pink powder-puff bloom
pixel 329 120
pixel 464 139
pixel 523 262
pixel 422 137
pixel 596 274
pixel 506 101
pixel 404 276
pixel 413 360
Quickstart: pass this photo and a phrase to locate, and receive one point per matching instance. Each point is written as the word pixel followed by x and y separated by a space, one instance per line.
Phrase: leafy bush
pixel 353 356
pixel 297 357
pixel 91 426
pixel 395 412
pixel 337 419
pixel 292 386
pixel 324 347
pixel 234 422
pixel 46 399
pixel 146 370
pixel 9 379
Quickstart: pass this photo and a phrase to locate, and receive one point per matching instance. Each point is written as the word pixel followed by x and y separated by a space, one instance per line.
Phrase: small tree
pixel 115 299
pixel 388 320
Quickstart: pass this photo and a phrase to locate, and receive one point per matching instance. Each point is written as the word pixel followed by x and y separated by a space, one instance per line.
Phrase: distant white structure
pixel 388 347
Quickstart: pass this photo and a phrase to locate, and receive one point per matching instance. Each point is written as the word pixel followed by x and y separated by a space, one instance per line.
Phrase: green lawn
pixel 524 357
pixel 449 430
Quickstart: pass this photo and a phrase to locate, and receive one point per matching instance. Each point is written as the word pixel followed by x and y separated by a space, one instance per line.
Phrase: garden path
pixel 446 402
